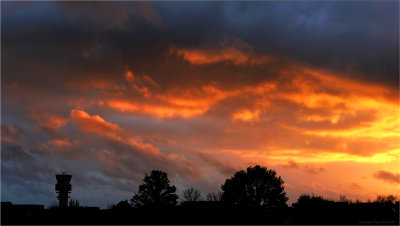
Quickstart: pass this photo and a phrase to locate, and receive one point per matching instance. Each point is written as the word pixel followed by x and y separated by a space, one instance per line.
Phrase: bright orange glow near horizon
pixel 338 122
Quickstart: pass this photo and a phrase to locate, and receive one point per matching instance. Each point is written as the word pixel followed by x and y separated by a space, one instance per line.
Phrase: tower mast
pixel 63 188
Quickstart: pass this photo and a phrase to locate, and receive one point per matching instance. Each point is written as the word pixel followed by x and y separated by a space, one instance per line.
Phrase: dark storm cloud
pixel 23 174
pixel 357 38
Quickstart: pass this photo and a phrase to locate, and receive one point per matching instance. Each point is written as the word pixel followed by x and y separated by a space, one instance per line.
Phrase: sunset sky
pixel 110 91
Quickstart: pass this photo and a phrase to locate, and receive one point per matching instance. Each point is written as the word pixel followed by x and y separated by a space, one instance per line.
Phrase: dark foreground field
pixel 205 212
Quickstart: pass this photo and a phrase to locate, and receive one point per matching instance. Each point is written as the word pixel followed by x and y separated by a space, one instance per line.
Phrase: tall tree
pixel 191 194
pixel 155 191
pixel 257 186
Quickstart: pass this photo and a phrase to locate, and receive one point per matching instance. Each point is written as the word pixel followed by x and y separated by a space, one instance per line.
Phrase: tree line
pixel 254 187
pixel 252 196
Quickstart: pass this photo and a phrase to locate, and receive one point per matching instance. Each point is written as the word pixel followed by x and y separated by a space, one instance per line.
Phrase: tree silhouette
pixel 257 186
pixel 307 200
pixel 155 191
pixel 386 199
pixel 73 203
pixel 121 206
pixel 343 198
pixel 212 196
pixel 191 194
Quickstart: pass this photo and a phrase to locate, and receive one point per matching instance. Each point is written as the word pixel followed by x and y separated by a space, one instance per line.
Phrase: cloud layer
pixel 109 91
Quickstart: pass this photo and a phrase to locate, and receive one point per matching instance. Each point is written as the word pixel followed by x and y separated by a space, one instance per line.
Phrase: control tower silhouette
pixel 63 188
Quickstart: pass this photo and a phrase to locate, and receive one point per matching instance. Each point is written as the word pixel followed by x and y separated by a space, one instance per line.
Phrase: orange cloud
pixel 62 143
pixel 95 124
pixel 143 90
pixel 313 117
pixel 291 164
pixel 101 127
pixel 128 148
pixel 140 83
pixel 56 121
pixel 388 176
pixel 129 76
pixel 230 55
pixel 231 51
pixel 246 115
pixel 49 120
pixel 188 103
pixel 200 57
pixel 149 80
pixel 156 110
pixel 322 106
pixel 176 102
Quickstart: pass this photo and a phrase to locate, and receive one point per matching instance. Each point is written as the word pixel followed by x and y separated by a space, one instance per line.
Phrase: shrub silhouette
pixel 122 205
pixel 73 203
pixel 257 186
pixel 343 198
pixel 192 194
pixel 155 191
pixel 385 199
pixel 307 201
